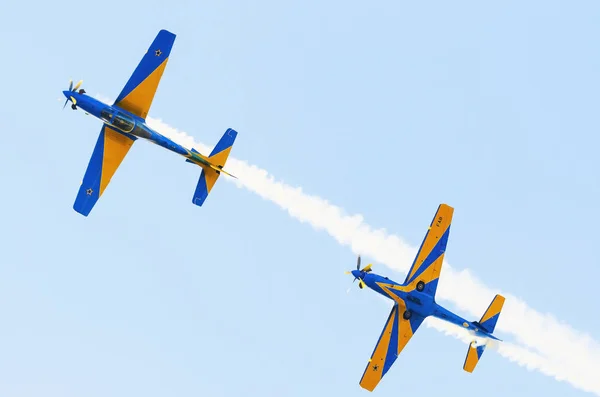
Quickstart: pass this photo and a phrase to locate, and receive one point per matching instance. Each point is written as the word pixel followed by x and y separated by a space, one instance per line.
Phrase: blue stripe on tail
pixel 225 142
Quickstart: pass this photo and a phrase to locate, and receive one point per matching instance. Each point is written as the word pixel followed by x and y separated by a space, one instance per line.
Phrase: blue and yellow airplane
pixel 125 121
pixel 414 300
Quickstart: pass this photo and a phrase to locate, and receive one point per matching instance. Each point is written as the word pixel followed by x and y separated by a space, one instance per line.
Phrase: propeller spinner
pixel 70 97
pixel 359 272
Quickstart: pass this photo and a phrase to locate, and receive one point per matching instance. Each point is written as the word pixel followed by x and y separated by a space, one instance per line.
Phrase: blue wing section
pixel 394 337
pixel 138 94
pixel 427 265
pixel 108 154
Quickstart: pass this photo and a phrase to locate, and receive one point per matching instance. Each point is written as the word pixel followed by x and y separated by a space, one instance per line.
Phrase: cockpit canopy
pixel 117 119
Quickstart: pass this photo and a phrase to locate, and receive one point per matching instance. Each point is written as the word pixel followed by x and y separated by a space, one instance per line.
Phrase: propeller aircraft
pixel 125 121
pixel 414 300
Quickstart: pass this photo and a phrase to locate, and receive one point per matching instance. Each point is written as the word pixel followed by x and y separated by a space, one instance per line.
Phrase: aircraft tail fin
pixel 212 171
pixel 488 324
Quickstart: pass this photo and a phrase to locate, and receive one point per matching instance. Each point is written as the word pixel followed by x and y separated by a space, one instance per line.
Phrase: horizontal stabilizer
pixel 473 356
pixel 488 324
pixel 207 180
pixel 490 317
pixel 221 152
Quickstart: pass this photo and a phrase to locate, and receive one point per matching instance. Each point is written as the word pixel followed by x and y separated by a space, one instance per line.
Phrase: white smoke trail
pixel 512 352
pixel 563 353
pixel 566 354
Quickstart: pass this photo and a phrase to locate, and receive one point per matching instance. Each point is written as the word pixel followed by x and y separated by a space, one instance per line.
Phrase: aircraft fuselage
pixel 131 125
pixel 419 303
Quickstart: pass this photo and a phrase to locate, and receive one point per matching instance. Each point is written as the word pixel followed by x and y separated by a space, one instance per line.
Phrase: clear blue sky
pixel 385 108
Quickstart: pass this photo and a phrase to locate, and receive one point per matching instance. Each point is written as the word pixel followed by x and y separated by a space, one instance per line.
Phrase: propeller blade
pixel 77 85
pixel 70 84
pixel 358 263
pixel 66 101
pixel 367 268
pixel 347 273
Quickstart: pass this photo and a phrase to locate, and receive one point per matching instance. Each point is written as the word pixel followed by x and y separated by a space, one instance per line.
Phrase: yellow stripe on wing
pixel 440 224
pixel 139 100
pixel 374 371
pixel 116 146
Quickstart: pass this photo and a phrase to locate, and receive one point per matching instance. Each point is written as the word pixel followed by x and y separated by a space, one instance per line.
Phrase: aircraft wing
pixel 428 262
pixel 395 335
pixel 138 93
pixel 108 154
